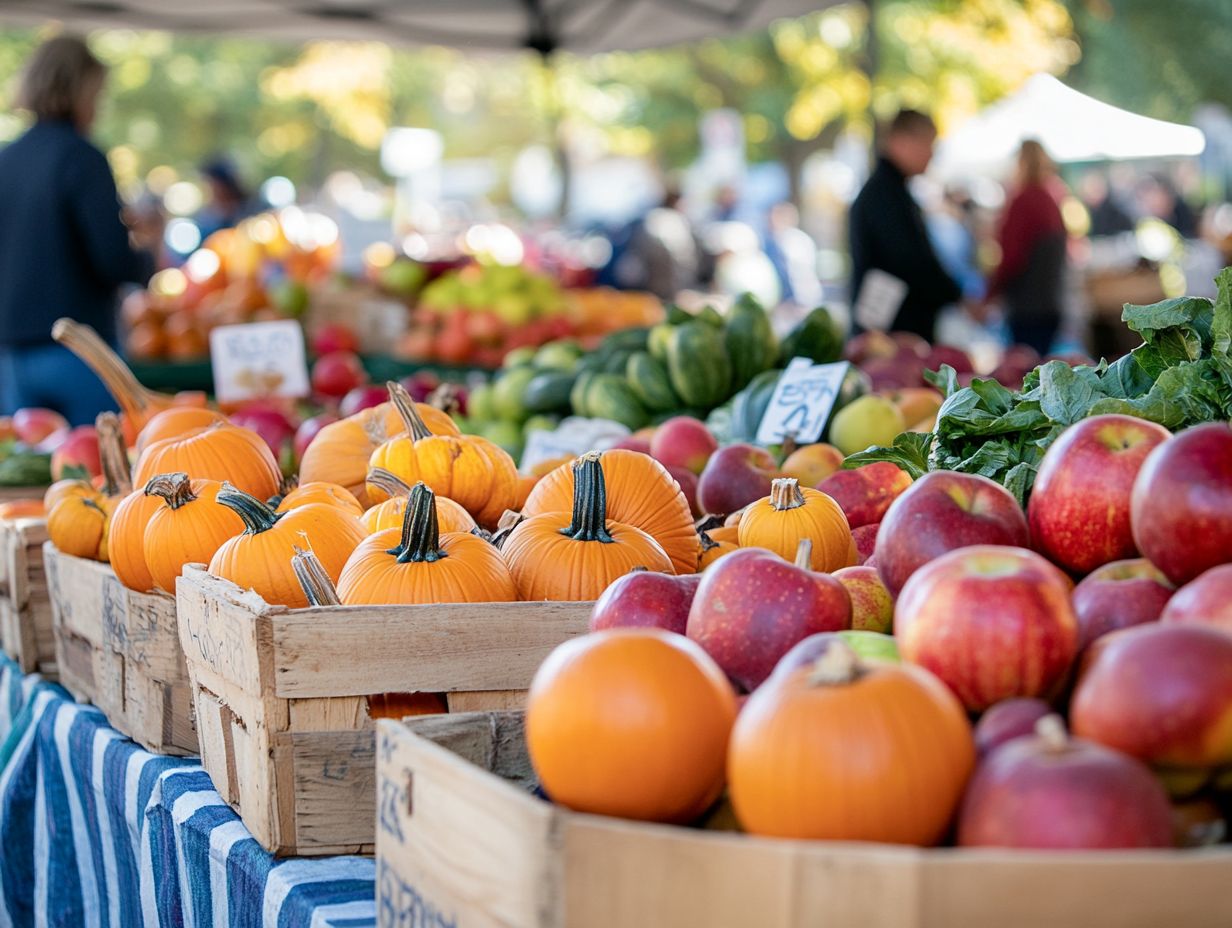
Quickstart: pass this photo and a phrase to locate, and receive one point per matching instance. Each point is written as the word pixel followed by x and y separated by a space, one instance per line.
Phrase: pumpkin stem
pixel 785 493
pixel 447 398
pixel 175 489
pixel 838 665
pixel 804 554
pixel 313 579
pixel 258 516
pixel 706 523
pixel 707 543
pixel 589 501
pixel 415 425
pixel 388 482
pixel 421 533
pixel 135 400
pixel 113 456
pixel 1051 730
pixel 509 520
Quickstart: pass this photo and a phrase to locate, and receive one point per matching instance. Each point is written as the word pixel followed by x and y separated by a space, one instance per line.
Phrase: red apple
pixel 1161 693
pixel 363 397
pixel 1205 600
pixel 911 345
pixel 270 423
pixel 1079 508
pixel 734 477
pixel 1050 791
pixel 308 430
pixel 887 374
pixel 872 606
pixel 865 493
pixel 870 344
pixel 752 606
pixel 687 481
pixel 1181 510
pixel 992 622
pixel 1118 595
pixel 942 511
pixel 420 385
pixel 871 646
pixel 645 598
pixel 337 373
pixel 948 354
pixel 334 337
pixel 76 453
pixel 683 441
pixel 633 443
pixel 1007 720
pixel 34 424
pixel 865 538
pixel 812 464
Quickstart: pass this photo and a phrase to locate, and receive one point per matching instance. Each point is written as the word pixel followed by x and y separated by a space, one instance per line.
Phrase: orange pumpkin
pixel 503 490
pixel 219 452
pixel 454 466
pixel 188 528
pixel 450 516
pixel 126 539
pixel 654 713
pixel 575 555
pixel 175 423
pixel 709 550
pixel 260 558
pixel 640 493
pixel 790 514
pixel 78 525
pixel 400 705
pixel 525 485
pixel 840 750
pixel 23 509
pixel 63 489
pixel 417 564
pixel 321 492
pixel 725 534
pixel 340 452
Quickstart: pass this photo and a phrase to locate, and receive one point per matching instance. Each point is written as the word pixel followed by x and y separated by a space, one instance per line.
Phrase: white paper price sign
pixel 881 296
pixel 258 359
pixel 801 402
pixel 574 436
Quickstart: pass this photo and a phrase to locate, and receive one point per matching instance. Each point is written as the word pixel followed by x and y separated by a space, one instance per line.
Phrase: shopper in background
pixel 229 200
pixel 1031 275
pixel 887 235
pixel 64 247
pixel 794 255
pixel 1108 217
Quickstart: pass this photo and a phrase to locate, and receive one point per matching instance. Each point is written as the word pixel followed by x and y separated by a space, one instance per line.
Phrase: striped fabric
pixel 96 831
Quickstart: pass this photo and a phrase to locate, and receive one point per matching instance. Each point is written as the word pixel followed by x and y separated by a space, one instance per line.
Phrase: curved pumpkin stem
pixel 838 665
pixel 113 456
pixel 707 543
pixel 388 482
pixel 421 533
pixel 589 501
pixel 313 579
pixel 785 493
pixel 415 425
pixel 258 516
pixel 804 554
pixel 509 520
pixel 136 401
pixel 175 489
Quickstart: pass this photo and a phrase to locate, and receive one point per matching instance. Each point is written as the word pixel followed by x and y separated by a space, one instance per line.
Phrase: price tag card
pixel 258 359
pixel 575 435
pixel 801 402
pixel 881 295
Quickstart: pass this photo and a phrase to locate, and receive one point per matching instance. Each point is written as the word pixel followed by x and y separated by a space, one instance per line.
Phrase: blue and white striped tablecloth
pixel 96 831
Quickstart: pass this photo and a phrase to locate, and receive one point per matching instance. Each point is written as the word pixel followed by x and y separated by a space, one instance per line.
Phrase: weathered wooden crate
pixel 282 695
pixel 462 841
pixel 25 604
pixel 11 494
pixel 120 650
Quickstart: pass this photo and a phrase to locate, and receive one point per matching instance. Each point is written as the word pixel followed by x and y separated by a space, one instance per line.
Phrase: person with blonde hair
pixel 64 247
pixel 1030 277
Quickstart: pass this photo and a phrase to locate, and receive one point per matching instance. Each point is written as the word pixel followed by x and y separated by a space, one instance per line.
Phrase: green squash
pixel 750 340
pixel 608 396
pixel 548 391
pixel 698 365
pixel 815 337
pixel 650 382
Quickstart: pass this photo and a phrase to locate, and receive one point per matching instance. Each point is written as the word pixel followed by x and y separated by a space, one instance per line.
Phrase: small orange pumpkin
pixel 451 516
pixel 845 751
pixel 780 521
pixel 709 550
pixel 417 564
pixel 220 452
pixel 319 491
pixel 574 556
pixel 62 489
pixel 188 528
pixel 126 539
pixel 78 525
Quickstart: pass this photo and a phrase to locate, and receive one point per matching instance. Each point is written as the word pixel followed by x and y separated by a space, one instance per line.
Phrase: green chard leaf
pixel 944 379
pixel 910 451
pixel 1221 325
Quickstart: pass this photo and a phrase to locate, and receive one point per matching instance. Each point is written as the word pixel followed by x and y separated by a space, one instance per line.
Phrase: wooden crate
pixel 120 650
pixel 25 604
pixel 12 494
pixel 282 695
pixel 461 840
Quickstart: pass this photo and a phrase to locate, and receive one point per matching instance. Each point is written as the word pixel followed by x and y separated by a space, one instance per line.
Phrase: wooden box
pixel 282 695
pixel 12 494
pixel 462 841
pixel 25 604
pixel 120 650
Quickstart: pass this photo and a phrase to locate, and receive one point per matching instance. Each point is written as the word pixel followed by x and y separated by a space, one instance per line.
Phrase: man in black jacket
pixel 886 231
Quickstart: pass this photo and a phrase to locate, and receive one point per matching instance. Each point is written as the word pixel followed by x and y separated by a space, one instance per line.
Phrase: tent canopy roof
pixel 583 26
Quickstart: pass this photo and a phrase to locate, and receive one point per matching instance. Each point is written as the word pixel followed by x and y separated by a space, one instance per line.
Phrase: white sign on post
pixel 801 402
pixel 258 359
pixel 881 295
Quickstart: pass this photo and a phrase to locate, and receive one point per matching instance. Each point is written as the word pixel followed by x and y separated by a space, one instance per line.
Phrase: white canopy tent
pixel 583 26
pixel 1070 125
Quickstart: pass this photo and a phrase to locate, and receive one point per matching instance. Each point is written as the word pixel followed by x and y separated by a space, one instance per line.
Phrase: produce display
pixel 37 447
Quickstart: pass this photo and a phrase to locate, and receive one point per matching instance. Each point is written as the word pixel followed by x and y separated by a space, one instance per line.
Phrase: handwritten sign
pixel 881 295
pixel 575 435
pixel 258 359
pixel 801 402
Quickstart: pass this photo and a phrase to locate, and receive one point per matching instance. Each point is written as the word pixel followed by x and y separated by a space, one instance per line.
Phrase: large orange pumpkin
pixel 450 516
pixel 188 528
pixel 416 564
pixel 654 713
pixel 219 452
pixel 126 539
pixel 790 514
pixel 503 491
pixel 340 452
pixel 844 751
pixel 318 491
pixel 175 423
pixel 575 555
pixel 640 493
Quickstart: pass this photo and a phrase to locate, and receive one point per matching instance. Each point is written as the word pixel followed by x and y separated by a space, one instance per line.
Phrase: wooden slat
pixel 225 629
pixel 486 701
pixel 334 788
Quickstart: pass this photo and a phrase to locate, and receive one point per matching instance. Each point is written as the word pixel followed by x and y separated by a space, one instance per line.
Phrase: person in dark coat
pixel 64 248
pixel 886 231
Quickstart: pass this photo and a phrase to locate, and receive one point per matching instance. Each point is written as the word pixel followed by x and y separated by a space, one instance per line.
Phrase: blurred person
pixel 726 204
pixel 1159 197
pixel 64 246
pixel 886 234
pixel 229 200
pixel 951 228
pixel 661 254
pixel 793 253
pixel 1030 278
pixel 1107 215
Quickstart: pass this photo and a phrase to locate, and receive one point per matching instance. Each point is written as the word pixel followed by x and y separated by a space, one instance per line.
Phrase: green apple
pixel 481 404
pixel 870 420
pixel 873 646
pixel 507 393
